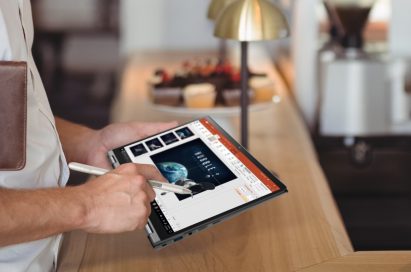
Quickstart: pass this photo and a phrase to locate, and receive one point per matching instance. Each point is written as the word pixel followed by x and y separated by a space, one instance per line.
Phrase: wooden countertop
pixel 300 231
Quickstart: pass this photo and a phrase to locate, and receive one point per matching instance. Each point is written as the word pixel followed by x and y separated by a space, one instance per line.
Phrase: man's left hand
pixel 116 135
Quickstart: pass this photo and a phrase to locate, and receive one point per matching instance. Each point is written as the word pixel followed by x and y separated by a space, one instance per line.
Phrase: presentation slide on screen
pixel 197 156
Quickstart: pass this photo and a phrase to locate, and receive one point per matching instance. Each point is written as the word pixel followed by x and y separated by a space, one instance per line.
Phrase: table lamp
pixel 247 21
pixel 216 7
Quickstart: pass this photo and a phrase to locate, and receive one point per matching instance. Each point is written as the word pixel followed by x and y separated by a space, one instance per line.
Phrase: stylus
pixel 88 169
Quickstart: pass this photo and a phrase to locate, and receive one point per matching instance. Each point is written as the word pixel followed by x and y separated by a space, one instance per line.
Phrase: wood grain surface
pixel 299 230
pixel 366 261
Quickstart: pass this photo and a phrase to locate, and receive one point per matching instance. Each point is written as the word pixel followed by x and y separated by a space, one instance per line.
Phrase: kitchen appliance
pixel 350 92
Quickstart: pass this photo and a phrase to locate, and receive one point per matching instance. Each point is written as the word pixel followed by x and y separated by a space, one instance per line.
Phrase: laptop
pixel 224 178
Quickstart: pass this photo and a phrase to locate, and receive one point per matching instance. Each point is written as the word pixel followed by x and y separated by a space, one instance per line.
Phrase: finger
pixel 150 172
pixel 154 128
pixel 126 169
pixel 145 211
pixel 150 192
pixel 140 212
pixel 139 184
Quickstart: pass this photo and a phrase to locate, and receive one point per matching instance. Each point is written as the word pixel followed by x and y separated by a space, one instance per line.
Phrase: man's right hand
pixel 119 200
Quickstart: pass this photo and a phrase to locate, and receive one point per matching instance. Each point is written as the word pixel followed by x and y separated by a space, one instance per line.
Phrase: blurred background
pixel 81 47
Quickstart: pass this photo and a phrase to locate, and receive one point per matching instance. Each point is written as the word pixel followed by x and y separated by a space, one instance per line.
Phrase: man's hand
pixel 115 202
pixel 119 200
pixel 84 145
pixel 117 135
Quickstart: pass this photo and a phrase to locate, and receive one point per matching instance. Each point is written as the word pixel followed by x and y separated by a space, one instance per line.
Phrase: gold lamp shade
pixel 216 7
pixel 251 20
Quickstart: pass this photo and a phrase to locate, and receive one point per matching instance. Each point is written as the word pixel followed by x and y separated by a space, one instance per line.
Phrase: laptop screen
pixel 201 157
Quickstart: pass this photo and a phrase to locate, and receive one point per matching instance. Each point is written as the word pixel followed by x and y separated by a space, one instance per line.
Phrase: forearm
pixel 27 215
pixel 75 139
pixel 115 202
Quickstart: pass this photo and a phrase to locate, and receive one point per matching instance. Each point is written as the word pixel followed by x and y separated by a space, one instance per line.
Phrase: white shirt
pixel 45 162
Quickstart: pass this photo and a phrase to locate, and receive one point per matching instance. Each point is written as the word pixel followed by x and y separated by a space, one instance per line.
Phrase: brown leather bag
pixel 13 115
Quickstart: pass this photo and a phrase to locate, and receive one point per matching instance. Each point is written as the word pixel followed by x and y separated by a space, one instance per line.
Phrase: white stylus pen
pixel 88 169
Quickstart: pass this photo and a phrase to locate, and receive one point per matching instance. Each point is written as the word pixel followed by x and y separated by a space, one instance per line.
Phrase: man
pixel 34 206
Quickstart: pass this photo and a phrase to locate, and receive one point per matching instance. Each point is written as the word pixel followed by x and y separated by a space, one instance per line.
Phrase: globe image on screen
pixel 173 171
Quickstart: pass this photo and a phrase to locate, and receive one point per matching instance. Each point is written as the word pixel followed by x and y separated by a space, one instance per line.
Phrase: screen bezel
pixel 165 237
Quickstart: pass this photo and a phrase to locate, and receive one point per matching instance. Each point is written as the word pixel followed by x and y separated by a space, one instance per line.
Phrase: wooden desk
pixel 300 231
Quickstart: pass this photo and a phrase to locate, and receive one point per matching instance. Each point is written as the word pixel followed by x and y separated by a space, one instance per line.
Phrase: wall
pixel 165 24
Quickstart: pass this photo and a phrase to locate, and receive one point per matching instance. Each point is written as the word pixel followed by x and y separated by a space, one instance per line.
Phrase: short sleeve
pixel 12 42
pixel 5 48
